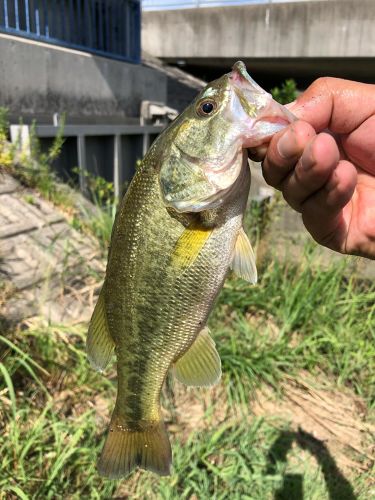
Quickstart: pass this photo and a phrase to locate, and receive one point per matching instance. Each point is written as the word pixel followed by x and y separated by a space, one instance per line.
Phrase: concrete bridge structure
pixel 300 39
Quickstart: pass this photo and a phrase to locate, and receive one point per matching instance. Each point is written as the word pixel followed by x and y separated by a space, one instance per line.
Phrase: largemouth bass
pixel 177 231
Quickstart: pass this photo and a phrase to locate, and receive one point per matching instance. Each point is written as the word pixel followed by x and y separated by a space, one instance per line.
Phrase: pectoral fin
pixel 200 366
pixel 243 263
pixel 99 344
pixel 189 245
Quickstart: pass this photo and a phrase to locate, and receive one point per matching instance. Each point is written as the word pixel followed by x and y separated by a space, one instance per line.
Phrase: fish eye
pixel 206 108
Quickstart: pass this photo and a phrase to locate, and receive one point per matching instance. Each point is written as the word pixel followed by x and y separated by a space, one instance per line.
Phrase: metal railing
pixel 110 151
pixel 105 27
pixel 190 4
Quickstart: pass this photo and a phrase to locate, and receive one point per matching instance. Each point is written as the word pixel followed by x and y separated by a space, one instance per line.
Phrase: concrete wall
pixel 182 87
pixel 39 79
pixel 298 31
pixel 336 28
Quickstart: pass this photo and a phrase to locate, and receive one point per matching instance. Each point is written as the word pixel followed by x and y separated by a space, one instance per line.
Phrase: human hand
pixel 329 177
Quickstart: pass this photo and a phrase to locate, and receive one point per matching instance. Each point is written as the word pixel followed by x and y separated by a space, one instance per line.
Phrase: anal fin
pixel 243 263
pixel 99 344
pixel 200 366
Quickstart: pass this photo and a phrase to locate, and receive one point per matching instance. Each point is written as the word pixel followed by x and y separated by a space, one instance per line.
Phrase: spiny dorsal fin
pixel 200 366
pixel 243 263
pixel 99 344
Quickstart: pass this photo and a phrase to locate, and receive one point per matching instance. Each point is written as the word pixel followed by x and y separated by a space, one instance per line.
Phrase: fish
pixel 177 232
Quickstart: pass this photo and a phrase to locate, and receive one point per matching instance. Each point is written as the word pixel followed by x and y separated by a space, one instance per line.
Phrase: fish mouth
pixel 265 116
pixel 240 77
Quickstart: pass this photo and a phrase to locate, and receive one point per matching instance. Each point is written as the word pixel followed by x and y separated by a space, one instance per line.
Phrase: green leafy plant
pixel 99 219
pixel 34 167
pixel 37 168
pixel 6 148
pixel 286 93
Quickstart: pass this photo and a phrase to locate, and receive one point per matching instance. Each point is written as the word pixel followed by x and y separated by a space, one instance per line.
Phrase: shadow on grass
pixel 338 487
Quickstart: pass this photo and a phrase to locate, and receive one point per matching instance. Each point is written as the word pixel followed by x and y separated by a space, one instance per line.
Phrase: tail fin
pixel 125 448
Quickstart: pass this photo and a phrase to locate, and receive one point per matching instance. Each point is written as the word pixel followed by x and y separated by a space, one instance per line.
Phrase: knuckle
pixel 323 82
pixel 324 85
pixel 303 130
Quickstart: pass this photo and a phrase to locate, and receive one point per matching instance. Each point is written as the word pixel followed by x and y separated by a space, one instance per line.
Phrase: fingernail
pixel 286 145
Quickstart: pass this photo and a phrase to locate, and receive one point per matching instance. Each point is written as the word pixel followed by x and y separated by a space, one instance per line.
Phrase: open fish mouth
pixel 265 116
pixel 241 78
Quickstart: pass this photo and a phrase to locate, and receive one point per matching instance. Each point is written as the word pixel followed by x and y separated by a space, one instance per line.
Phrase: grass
pixel 301 316
pixel 97 222
pixel 47 433
pixel 306 316
pixel 245 461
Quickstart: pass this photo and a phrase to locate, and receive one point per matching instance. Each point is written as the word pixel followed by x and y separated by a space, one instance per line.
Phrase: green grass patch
pixel 49 439
pixel 300 316
pixel 250 460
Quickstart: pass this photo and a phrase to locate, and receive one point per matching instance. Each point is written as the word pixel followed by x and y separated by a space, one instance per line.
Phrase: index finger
pixel 335 104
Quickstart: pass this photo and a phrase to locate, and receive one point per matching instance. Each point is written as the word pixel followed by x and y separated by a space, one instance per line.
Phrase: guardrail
pixel 109 28
pixel 110 151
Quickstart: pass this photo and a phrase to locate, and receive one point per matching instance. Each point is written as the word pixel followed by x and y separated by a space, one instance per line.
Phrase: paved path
pixel 46 267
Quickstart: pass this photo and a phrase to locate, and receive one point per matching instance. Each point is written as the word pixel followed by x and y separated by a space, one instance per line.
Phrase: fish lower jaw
pixel 211 202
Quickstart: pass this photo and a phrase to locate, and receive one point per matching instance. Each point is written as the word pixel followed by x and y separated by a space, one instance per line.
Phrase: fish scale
pixel 177 231
pixel 180 299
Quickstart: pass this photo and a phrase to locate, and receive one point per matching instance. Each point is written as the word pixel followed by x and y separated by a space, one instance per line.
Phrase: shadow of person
pixel 338 487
